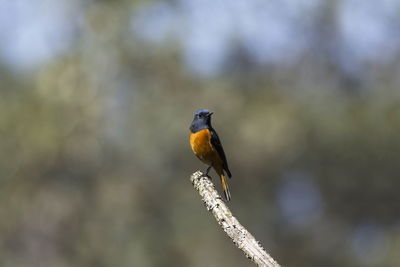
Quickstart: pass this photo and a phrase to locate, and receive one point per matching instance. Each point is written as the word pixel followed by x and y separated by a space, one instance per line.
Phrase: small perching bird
pixel 207 147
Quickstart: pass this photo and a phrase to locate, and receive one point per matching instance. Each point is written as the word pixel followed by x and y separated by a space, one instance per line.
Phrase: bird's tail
pixel 225 187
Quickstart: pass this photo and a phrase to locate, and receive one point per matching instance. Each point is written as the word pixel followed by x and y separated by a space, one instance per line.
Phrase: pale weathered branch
pixel 239 235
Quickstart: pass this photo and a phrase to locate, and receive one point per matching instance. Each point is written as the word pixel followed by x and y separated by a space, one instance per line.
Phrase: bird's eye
pixel 200 115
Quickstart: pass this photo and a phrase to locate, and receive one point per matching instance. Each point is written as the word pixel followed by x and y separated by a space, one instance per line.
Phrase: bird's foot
pixel 207 171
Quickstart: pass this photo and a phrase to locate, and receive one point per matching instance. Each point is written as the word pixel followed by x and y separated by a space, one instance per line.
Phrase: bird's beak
pixel 209 114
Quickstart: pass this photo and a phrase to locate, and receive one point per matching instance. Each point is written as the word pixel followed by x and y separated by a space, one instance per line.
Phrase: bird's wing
pixel 218 146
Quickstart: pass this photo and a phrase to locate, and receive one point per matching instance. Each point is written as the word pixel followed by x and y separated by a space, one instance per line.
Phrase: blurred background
pixel 96 99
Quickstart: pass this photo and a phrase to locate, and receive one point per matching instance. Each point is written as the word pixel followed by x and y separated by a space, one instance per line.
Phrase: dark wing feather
pixel 218 146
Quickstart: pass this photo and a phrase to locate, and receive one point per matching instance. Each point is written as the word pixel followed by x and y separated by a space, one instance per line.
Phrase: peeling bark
pixel 231 226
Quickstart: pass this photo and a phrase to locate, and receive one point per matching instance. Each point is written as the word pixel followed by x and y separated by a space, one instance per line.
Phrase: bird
pixel 206 145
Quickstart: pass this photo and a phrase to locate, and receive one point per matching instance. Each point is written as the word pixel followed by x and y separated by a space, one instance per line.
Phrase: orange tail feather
pixel 225 187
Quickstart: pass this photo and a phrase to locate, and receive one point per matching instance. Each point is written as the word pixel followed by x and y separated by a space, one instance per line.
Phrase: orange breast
pixel 202 148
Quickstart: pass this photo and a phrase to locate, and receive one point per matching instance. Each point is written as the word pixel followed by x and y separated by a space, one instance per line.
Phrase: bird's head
pixel 202 120
pixel 203 114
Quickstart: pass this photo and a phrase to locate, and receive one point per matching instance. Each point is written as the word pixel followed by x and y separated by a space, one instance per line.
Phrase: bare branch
pixel 239 235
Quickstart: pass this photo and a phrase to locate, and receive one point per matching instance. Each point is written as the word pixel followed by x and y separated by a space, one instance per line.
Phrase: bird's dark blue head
pixel 202 120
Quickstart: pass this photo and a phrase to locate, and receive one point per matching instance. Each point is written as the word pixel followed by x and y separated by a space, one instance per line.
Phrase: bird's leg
pixel 208 170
